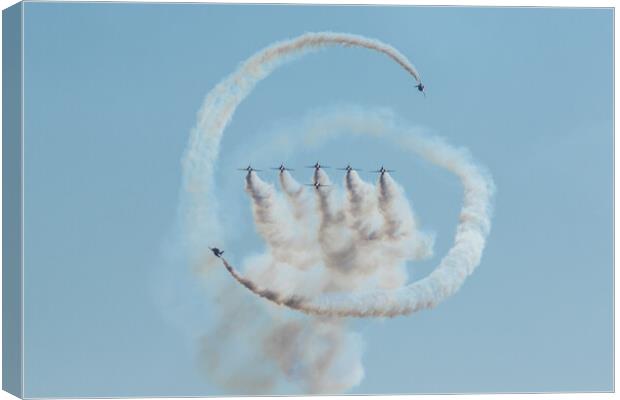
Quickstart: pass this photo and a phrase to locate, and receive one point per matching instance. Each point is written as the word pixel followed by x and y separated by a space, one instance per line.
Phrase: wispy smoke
pixel 328 253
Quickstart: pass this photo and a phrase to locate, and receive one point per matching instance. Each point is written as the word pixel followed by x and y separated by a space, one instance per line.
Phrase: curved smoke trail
pixel 202 223
pixel 445 280
pixel 203 150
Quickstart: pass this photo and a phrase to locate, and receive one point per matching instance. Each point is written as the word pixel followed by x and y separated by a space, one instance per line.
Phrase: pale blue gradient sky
pixel 112 90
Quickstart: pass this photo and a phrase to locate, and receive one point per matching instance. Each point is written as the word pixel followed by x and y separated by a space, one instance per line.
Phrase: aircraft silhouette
pixel 218 253
pixel 282 168
pixel 349 168
pixel 316 185
pixel 383 170
pixel 421 87
pixel 248 168
pixel 317 166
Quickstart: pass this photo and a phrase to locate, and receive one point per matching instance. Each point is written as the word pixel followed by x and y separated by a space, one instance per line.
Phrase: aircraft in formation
pixel 282 168
pixel 316 167
pixel 382 171
pixel 248 168
pixel 349 168
pixel 317 185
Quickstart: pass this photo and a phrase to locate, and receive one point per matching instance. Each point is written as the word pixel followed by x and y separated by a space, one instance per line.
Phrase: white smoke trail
pixel 279 225
pixel 362 207
pixel 400 225
pixel 199 203
pixel 297 197
pixel 456 265
pixel 338 352
pixel 334 238
pixel 367 223
pixel 270 213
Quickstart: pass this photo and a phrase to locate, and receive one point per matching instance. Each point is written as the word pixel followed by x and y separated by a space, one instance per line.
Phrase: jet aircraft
pixel 349 168
pixel 218 253
pixel 317 166
pixel 282 168
pixel 420 87
pixel 316 185
pixel 248 168
pixel 383 170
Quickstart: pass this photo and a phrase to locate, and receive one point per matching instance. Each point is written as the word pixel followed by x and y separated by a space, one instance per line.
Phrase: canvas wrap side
pixel 12 111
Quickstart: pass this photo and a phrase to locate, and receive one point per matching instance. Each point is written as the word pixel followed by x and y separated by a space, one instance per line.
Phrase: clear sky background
pixel 111 93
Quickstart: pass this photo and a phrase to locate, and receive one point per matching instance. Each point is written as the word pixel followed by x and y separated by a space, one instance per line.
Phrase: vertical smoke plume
pixel 297 197
pixel 366 224
pixel 336 245
pixel 400 225
pixel 271 217
pixel 279 225
pixel 361 207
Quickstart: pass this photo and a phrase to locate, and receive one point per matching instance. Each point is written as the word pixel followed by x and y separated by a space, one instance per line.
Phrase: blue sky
pixel 111 93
